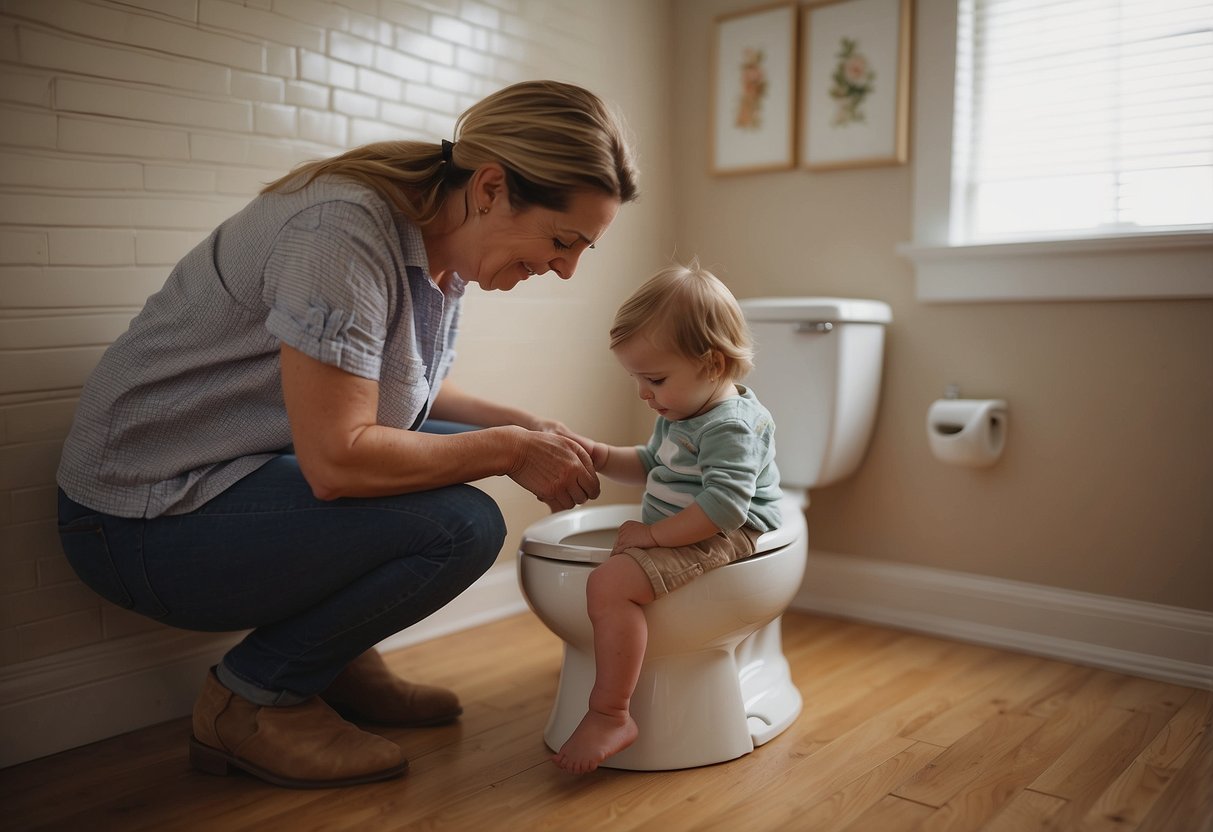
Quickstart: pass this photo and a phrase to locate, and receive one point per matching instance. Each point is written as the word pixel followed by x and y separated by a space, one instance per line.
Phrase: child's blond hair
pixel 689 310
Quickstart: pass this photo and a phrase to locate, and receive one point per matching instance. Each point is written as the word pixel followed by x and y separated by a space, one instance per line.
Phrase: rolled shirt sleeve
pixel 327 288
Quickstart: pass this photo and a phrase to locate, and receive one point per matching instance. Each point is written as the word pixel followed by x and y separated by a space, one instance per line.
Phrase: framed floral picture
pixel 753 124
pixel 856 83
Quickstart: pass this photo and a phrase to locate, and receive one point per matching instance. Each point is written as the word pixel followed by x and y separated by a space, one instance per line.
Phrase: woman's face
pixel 517 244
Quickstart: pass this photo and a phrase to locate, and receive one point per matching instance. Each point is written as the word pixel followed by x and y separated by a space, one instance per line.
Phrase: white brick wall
pixel 129 129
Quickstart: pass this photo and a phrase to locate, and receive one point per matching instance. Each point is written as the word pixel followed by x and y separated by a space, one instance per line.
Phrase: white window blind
pixel 1079 118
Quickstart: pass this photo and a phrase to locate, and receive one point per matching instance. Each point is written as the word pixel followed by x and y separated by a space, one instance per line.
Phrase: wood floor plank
pixel 780 801
pixel 1153 704
pixel 1138 711
pixel 933 681
pixel 1023 678
pixel 965 760
pixel 692 798
pixel 636 808
pixel 540 797
pixel 1028 812
pixel 799 633
pixel 1070 709
pixel 1060 694
pixel 1188 800
pixel 1131 796
pixel 837 649
pixel 891 814
pixel 1118 752
pixel 842 808
pixel 856 739
pixel 863 667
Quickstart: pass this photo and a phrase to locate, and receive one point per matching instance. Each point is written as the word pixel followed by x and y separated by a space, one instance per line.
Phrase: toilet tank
pixel 817 369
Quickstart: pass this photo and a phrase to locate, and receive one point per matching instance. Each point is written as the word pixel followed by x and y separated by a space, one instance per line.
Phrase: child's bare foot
pixel 597 737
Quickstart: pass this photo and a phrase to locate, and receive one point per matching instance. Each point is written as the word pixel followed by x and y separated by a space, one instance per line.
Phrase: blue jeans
pixel 317 582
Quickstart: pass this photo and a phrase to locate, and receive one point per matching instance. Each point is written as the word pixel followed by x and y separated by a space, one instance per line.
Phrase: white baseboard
pixel 1142 639
pixel 100 691
pixel 72 699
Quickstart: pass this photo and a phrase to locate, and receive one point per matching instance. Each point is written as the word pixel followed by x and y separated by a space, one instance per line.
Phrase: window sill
pixel 1126 267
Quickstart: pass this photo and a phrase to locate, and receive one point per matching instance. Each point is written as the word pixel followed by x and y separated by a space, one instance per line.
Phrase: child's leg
pixel 615 595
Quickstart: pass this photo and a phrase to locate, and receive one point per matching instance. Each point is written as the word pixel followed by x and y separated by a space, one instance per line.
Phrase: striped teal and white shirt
pixel 724 460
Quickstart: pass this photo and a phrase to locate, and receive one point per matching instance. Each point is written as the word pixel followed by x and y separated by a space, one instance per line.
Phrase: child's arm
pixel 688 526
pixel 622 464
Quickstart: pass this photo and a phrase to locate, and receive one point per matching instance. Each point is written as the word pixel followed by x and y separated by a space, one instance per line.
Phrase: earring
pixel 484 209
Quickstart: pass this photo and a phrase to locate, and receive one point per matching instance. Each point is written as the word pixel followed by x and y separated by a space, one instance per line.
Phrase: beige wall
pixel 1106 485
pixel 129 129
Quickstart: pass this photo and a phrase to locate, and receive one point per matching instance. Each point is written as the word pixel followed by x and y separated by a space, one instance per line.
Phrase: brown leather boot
pixel 305 746
pixel 368 691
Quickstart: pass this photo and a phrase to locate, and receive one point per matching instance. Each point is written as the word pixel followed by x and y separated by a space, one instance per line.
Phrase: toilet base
pixel 714 683
pixel 745 694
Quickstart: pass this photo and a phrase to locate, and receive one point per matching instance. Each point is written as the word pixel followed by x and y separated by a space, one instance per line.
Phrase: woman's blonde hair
pixel 689 310
pixel 553 140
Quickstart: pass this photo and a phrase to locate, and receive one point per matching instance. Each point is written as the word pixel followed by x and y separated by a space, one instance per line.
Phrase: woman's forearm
pixel 344 452
pixel 380 461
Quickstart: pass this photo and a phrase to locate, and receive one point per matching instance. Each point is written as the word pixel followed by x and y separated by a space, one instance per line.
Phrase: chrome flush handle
pixel 814 326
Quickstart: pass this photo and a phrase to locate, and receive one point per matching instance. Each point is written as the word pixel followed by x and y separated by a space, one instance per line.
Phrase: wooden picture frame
pixel 855 89
pixel 753 90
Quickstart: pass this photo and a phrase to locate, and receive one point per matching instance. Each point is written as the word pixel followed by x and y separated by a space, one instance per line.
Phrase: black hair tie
pixel 448 149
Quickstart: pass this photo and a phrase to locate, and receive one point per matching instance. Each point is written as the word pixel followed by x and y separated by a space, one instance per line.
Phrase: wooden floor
pixel 899 732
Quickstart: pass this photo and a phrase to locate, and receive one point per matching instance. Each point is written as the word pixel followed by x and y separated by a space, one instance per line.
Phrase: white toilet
pixel 715 683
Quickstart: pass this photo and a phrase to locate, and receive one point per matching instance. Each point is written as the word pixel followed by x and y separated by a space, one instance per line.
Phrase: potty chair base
pixel 714 683
pixel 678 697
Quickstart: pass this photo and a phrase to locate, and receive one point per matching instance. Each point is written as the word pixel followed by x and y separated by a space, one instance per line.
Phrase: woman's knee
pixel 480 531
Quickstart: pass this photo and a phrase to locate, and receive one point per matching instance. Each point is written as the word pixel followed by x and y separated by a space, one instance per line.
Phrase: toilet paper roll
pixel 967 431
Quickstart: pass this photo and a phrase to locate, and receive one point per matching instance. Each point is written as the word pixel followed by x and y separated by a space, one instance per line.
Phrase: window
pixel 1063 149
pixel 1082 117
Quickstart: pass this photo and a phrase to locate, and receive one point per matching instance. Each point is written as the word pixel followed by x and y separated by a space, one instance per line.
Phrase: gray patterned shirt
pixel 189 399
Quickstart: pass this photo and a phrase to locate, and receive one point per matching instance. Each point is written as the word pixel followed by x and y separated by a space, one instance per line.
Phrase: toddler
pixel 711 485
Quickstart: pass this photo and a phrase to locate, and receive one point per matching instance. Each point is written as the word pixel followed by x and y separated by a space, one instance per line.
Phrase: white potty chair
pixel 715 683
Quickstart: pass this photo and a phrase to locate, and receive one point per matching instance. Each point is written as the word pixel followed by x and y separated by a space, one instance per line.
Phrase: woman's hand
pixel 633 535
pixel 554 468
pixel 598 451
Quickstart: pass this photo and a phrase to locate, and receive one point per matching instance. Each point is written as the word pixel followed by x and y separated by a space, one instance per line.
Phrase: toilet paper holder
pixel 969 432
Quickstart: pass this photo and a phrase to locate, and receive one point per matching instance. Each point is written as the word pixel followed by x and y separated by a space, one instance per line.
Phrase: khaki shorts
pixel 669 569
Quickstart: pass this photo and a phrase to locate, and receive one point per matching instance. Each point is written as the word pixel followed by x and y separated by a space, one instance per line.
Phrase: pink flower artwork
pixel 753 90
pixel 853 80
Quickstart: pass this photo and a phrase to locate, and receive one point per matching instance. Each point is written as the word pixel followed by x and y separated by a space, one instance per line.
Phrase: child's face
pixel 673 385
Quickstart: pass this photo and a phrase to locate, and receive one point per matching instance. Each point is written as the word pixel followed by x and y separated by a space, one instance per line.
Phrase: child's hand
pixel 634 535
pixel 598 451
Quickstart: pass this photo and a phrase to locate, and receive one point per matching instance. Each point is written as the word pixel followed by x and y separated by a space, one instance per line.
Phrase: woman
pixel 250 453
